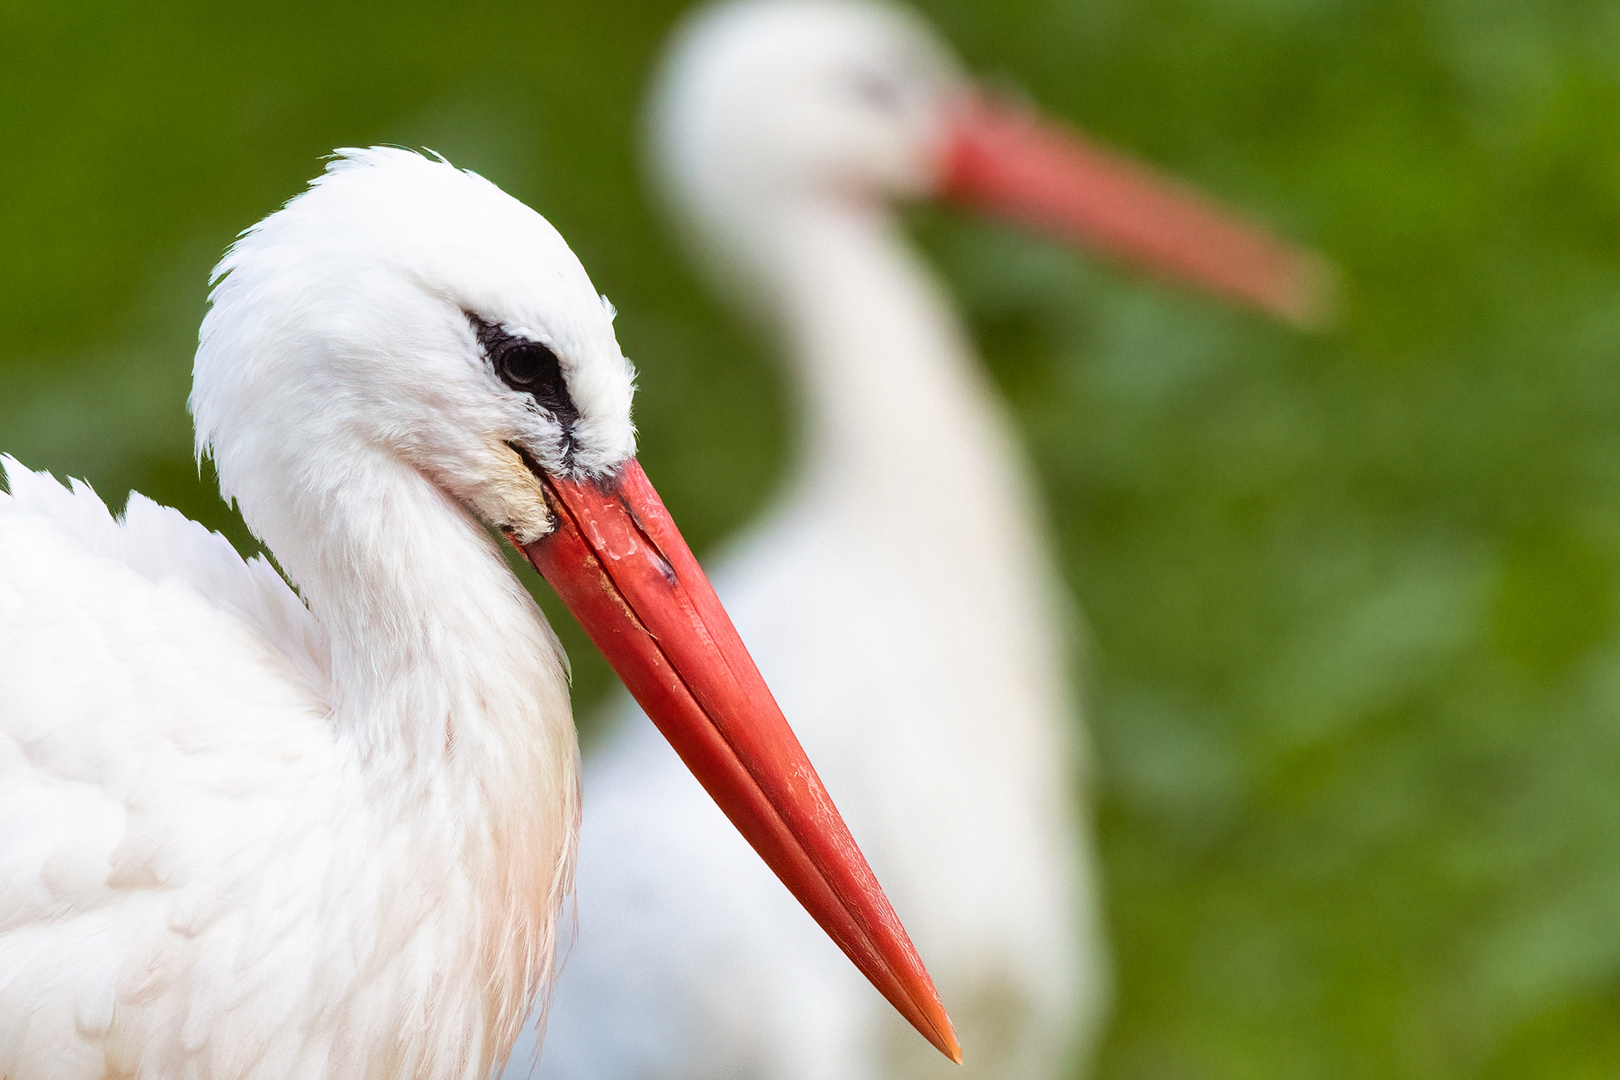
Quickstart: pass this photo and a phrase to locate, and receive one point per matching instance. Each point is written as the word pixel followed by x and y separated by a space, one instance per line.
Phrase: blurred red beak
pixel 1009 163
pixel 620 565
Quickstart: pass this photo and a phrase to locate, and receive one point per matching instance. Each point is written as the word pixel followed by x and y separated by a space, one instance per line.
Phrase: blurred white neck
pixel 899 417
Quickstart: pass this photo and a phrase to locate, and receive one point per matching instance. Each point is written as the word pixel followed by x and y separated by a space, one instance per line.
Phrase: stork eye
pixel 530 367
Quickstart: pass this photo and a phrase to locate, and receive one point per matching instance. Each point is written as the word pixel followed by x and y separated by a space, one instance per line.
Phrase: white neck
pixel 449 694
pixel 442 665
pixel 907 457
pixel 899 418
pixel 446 683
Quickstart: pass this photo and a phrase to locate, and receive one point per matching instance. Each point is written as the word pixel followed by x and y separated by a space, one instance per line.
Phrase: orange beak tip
pixel 935 1025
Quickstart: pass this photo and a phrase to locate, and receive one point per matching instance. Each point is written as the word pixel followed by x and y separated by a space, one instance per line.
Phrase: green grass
pixel 1353 662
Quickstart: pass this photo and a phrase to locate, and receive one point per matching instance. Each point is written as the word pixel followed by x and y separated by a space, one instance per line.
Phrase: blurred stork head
pixel 765 107
pixel 766 100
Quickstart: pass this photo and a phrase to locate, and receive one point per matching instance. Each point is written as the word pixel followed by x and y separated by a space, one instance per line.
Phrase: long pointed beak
pixel 620 565
pixel 1007 162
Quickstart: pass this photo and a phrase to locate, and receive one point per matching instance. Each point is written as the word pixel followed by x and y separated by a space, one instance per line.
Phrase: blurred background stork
pixel 899 594
pixel 1354 662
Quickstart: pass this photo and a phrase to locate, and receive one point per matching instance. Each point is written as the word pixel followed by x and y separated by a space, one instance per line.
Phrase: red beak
pixel 1009 163
pixel 618 562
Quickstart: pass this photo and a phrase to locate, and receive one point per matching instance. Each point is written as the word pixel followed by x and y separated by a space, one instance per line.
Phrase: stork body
pixel 907 616
pixel 901 600
pixel 248 835
pixel 900 595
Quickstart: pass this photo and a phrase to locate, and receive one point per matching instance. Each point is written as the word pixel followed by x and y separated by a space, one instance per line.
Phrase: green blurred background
pixel 1353 666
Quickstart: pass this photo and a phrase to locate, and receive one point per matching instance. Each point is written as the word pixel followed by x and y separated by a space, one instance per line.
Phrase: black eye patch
pixel 529 368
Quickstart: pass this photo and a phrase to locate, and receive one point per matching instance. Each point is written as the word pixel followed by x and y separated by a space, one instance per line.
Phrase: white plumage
pixel 245 834
pixel 246 838
pixel 199 877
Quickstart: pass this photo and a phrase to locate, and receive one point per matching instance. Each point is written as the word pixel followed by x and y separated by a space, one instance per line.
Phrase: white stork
pixel 248 836
pixel 900 597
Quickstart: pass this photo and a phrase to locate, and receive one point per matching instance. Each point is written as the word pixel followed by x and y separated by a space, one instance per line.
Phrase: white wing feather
pixel 162 544
pixel 135 826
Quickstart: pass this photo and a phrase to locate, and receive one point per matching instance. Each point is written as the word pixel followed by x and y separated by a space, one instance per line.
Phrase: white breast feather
pixel 191 879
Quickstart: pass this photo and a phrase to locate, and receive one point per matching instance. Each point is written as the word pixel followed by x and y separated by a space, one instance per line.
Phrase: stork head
pixel 418 312
pixel 771 99
pixel 763 104
pixel 402 327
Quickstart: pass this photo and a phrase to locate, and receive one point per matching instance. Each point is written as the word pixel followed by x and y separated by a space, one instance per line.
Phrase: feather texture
pixel 195 878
